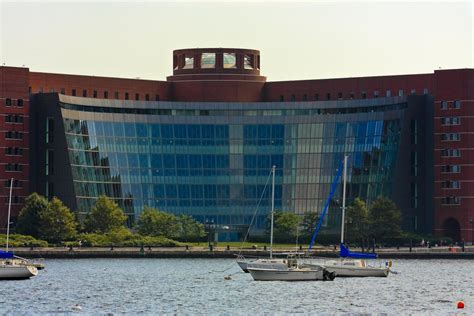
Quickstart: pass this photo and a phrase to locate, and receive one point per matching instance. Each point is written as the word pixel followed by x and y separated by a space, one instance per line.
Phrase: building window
pixel 19 103
pixel 451 184
pixel 157 97
pixel 94 94
pixel 13 135
pixel 425 91
pixel 106 94
pixel 40 90
pixel 328 96
pixel 137 96
pixel 49 167
pixel 84 93
pixel 16 183
pixel 116 95
pixel 413 91
pixel 451 169
pixel 400 93
pixel 63 91
pixel 305 97
pixel 364 95
pixel 49 130
pixel 282 98
pixel 339 95
pixel 293 97
pixel 126 95
pixel 188 62
pixel 454 120
pixel 376 94
pixel 147 97
pixel 457 104
pixel 316 97
pixel 451 200
pixel 13 167
pixel 208 60
pixel 10 118
pixel 450 137
pixel 388 93
pixel 443 105
pixel 8 102
pixel 451 152
pixel 230 60
pixel 352 95
pixel 248 62
pixel 51 90
pixel 73 92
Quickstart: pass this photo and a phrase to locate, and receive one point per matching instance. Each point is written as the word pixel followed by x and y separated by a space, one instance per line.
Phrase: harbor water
pixel 198 286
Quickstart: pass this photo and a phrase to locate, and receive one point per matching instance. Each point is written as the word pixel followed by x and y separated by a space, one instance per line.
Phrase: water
pixel 197 286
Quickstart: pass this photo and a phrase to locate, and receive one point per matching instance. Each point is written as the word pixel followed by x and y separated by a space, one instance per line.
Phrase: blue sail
pixel 345 253
pixel 5 255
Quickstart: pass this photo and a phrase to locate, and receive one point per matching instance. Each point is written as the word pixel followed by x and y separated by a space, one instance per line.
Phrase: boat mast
pixel 9 208
pixel 344 198
pixel 273 212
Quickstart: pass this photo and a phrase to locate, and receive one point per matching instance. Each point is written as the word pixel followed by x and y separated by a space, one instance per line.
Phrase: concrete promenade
pixel 223 251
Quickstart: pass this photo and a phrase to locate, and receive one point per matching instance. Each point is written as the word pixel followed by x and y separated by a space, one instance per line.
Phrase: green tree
pixel 106 215
pixel 189 228
pixel 29 217
pixel 384 219
pixel 285 226
pixel 57 222
pixel 357 222
pixel 310 221
pixel 157 223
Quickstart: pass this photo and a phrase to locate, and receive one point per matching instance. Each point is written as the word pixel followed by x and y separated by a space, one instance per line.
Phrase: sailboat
pixel 12 267
pixel 270 262
pixel 353 264
pixel 289 269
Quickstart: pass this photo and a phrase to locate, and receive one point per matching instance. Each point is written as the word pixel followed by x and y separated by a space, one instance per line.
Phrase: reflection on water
pixel 197 286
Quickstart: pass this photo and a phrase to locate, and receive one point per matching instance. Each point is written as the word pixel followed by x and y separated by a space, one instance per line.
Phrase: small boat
pixel 11 267
pixel 293 271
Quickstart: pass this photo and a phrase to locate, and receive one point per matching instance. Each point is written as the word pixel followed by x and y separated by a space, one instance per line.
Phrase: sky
pixel 297 40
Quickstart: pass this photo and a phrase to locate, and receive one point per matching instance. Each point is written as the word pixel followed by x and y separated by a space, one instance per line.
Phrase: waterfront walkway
pixel 222 251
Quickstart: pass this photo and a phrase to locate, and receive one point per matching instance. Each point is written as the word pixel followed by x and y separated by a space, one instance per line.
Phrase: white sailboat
pixel 289 269
pixel 354 264
pixel 11 267
pixel 271 263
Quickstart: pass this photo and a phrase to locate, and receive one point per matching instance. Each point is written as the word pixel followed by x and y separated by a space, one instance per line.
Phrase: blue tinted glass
pixel 133 160
pixel 208 161
pixel 207 131
pixel 118 130
pixel 155 131
pixel 156 161
pixel 195 161
pixel 159 191
pixel 181 161
pixel 171 191
pixel 143 158
pixel 167 131
pixel 108 129
pixel 222 131
pixel 194 131
pixel 168 161
pixel 183 191
pixel 278 131
pixel 129 129
pixel 180 131
pixel 196 191
pixel 250 161
pixel 264 131
pixel 142 130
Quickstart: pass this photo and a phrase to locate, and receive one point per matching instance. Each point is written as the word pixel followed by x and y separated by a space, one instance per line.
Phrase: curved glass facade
pixel 212 160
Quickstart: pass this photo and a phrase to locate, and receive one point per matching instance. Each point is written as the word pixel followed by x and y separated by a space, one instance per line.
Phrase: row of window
pixel 16 183
pixel 450 136
pixel 451 200
pixel 13 135
pixel 104 95
pixel 456 105
pixel 13 167
pixel 451 169
pixel 451 152
pixel 13 118
pixel 453 120
pixel 451 184
pixel 13 102
pixel 15 199
pixel 350 96
pixel 208 61
pixel 14 151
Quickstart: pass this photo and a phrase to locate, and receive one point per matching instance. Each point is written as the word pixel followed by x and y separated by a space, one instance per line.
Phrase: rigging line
pixel 255 213
pixel 326 206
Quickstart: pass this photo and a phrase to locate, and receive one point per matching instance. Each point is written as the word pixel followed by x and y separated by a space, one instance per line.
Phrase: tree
pixel 309 224
pixel 106 215
pixel 29 217
pixel 189 228
pixel 57 222
pixel 357 223
pixel 285 225
pixel 156 223
pixel 384 219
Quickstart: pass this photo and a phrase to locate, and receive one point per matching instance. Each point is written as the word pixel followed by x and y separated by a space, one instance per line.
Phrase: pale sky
pixel 297 40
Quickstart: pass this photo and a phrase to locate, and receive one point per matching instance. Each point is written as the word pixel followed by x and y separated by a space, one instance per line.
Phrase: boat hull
pixel 357 272
pixel 17 272
pixel 288 275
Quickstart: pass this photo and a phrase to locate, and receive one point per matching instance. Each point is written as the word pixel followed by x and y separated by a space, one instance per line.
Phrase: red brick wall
pixel 13 86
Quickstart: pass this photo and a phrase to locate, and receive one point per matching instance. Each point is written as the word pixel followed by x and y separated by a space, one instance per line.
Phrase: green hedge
pixel 17 240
